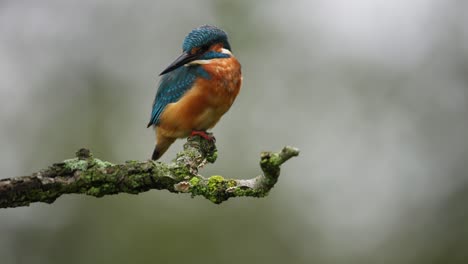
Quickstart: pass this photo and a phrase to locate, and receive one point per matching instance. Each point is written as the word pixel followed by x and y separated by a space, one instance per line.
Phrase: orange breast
pixel 203 105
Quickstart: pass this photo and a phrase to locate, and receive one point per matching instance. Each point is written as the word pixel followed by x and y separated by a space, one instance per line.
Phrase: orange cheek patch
pixel 194 50
pixel 217 47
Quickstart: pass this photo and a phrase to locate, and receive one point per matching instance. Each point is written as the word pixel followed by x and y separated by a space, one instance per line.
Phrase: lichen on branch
pixel 85 174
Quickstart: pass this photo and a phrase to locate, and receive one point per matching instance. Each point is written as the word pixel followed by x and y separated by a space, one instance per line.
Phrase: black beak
pixel 181 60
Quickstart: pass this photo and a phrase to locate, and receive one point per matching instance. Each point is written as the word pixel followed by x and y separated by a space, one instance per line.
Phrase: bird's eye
pixel 205 48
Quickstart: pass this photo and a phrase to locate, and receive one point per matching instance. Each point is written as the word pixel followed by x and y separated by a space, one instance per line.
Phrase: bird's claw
pixel 203 134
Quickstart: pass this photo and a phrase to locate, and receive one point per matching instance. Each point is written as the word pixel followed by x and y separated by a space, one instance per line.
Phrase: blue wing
pixel 172 87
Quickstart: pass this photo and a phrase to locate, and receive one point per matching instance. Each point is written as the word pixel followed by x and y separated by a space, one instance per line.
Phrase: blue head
pixel 199 45
pixel 204 37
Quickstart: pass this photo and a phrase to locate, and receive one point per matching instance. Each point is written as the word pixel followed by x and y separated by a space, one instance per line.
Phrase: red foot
pixel 204 135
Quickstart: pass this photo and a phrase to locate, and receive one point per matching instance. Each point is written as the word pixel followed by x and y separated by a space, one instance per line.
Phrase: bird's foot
pixel 203 134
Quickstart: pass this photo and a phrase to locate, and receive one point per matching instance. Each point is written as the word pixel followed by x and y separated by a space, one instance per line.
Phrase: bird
pixel 195 90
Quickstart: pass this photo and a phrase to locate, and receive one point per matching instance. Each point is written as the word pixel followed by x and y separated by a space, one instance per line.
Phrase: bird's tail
pixel 163 144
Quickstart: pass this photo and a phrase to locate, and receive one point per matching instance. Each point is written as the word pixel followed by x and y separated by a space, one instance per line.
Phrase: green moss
pixel 250 192
pixel 108 189
pixel 132 162
pixel 194 181
pixel 94 191
pixel 197 187
pixel 43 196
pixel 102 164
pixel 76 164
pixel 135 181
pixel 160 169
pixel 212 158
pixel 240 192
pixel 102 190
pixel 215 191
pixel 232 183
pixel 214 180
pixel 180 172
pixel 188 154
pixel 275 159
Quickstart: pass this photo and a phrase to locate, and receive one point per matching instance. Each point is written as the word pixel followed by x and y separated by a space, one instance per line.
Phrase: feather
pixel 172 87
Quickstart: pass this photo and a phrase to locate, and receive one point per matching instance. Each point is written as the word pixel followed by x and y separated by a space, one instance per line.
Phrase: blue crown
pixel 205 36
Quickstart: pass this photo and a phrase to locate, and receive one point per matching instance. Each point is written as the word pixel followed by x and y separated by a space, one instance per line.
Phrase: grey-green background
pixel 373 92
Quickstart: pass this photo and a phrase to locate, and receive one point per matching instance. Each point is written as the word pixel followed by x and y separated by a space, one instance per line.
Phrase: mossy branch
pixel 88 175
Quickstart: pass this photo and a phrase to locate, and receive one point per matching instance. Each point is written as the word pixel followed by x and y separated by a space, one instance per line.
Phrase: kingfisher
pixel 195 90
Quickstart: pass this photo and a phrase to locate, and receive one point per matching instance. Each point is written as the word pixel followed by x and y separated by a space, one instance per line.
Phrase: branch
pixel 88 175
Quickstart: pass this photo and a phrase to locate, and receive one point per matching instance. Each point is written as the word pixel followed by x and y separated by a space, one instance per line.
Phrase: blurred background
pixel 373 92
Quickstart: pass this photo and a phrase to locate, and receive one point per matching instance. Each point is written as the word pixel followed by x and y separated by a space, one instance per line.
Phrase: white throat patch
pixel 226 51
pixel 195 62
